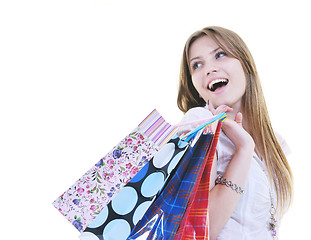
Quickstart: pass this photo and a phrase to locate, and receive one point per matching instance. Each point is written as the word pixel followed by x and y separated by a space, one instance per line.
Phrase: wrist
pixel 248 145
pixel 246 150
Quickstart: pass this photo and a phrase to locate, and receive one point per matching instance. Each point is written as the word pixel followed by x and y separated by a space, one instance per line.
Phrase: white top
pixel 251 216
pixel 250 219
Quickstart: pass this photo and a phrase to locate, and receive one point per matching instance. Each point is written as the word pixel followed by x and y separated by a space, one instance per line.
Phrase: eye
pixel 196 65
pixel 220 54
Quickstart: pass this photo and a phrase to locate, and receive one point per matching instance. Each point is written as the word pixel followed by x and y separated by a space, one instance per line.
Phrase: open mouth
pixel 217 83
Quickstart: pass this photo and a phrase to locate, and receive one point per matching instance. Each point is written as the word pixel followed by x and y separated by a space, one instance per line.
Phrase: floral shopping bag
pixel 87 197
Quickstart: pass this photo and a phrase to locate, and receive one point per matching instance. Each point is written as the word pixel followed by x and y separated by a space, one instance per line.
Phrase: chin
pixel 217 104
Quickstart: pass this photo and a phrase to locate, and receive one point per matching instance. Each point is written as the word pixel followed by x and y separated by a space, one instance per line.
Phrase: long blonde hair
pixel 253 103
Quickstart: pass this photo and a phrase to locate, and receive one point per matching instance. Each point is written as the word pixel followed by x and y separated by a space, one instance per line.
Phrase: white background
pixel 77 76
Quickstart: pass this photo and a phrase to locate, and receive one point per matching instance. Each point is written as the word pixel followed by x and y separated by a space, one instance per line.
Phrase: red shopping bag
pixel 195 222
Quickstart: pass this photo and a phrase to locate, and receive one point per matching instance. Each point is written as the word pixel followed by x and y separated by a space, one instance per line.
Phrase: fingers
pixel 238 118
pixel 219 109
pixel 223 108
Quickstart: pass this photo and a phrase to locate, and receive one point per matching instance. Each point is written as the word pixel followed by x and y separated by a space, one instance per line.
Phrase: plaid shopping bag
pixel 195 222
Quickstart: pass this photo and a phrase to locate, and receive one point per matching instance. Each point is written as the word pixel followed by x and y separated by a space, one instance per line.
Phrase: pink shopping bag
pixel 87 197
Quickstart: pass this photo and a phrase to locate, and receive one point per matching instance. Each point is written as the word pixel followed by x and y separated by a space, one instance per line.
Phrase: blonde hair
pixel 253 103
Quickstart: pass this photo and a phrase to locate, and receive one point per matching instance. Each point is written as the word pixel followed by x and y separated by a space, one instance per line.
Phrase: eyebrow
pixel 212 52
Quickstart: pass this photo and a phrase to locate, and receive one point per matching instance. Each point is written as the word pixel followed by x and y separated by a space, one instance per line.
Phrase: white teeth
pixel 216 81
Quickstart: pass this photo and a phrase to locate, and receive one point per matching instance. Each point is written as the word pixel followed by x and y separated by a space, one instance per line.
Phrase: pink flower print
pixel 89 191
pixel 134 170
pixel 110 161
pixel 92 200
pixel 93 208
pixel 129 142
pixel 140 136
pixel 87 186
pixel 129 165
pixel 80 190
pixel 135 148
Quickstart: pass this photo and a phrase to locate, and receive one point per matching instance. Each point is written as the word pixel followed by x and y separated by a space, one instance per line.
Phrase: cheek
pixel 199 86
pixel 243 81
pixel 196 82
pixel 196 85
pixel 239 75
pixel 198 79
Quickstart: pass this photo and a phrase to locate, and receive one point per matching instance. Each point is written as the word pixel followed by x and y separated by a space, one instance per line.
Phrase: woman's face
pixel 216 76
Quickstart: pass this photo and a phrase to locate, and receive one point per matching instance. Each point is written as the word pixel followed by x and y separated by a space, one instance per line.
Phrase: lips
pixel 217 83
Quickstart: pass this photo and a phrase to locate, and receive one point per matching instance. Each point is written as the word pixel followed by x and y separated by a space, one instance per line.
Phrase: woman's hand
pixel 234 128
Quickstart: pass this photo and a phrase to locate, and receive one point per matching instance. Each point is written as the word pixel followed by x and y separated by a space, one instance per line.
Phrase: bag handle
pixel 220 117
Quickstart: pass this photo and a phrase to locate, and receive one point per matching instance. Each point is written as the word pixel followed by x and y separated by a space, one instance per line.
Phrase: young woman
pixel 251 181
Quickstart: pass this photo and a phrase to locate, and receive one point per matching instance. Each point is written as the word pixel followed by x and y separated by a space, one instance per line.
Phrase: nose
pixel 211 69
pixel 212 66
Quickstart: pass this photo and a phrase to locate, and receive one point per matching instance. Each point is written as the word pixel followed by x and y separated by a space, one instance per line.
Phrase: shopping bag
pixel 163 218
pixel 195 221
pixel 119 217
pixel 87 197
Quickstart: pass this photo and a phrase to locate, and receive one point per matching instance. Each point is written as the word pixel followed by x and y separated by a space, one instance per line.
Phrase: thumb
pixel 238 118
